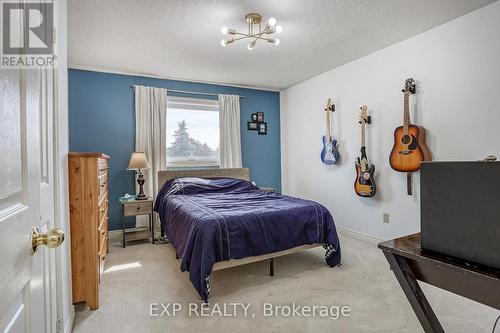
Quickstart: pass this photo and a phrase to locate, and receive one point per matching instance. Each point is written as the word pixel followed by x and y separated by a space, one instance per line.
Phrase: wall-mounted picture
pixel 262 129
pixel 252 126
pixel 257 123
pixel 260 117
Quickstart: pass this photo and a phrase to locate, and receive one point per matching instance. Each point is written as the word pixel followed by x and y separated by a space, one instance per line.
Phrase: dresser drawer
pixel 103 239
pixel 103 245
pixel 103 184
pixel 137 208
pixel 103 209
pixel 102 261
pixel 103 229
pixel 103 178
pixel 102 166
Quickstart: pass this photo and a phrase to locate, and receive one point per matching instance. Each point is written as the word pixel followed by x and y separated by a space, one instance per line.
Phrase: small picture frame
pixel 262 128
pixel 252 126
pixel 254 117
pixel 260 117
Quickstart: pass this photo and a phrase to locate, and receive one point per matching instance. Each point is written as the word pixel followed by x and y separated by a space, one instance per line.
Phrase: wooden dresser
pixel 88 200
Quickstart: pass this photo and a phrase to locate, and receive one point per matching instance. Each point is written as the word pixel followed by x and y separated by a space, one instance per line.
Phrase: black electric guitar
pixel 364 185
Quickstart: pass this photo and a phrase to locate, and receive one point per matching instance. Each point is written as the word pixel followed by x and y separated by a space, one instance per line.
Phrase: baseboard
pixel 359 235
pixel 71 322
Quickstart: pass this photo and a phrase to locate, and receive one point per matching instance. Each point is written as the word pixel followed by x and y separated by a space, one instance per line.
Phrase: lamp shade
pixel 138 160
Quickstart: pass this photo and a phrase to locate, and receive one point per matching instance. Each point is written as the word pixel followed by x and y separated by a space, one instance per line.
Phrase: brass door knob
pixel 52 239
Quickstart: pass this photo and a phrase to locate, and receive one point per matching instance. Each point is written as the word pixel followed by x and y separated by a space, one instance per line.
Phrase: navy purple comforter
pixel 211 220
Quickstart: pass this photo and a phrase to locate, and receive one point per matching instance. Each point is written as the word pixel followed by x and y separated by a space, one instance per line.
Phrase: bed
pixel 217 219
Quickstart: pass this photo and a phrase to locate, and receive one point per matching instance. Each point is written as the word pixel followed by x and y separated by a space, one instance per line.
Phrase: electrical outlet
pixel 386 217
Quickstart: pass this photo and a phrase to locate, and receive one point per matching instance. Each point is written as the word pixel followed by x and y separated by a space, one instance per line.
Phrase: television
pixel 460 210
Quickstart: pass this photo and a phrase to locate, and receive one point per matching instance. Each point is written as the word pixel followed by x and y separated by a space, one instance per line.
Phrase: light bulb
pixel 223 42
pixel 279 29
pixel 224 30
pixel 251 45
pixel 272 22
pixel 276 41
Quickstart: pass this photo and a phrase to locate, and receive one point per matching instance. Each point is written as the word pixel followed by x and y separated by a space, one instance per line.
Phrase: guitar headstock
pixel 410 86
pixel 330 107
pixel 364 118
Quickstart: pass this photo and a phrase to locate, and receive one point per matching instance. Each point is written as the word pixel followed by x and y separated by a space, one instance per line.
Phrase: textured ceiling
pixel 181 39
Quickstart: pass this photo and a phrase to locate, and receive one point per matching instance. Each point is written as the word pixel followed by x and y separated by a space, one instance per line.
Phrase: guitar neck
pixel 328 134
pixel 363 125
pixel 406 120
pixel 363 157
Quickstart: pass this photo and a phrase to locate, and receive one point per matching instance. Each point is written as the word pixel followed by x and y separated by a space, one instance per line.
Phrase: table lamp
pixel 138 161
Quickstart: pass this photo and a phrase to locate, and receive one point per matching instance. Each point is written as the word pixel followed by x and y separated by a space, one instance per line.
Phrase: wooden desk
pixel 410 263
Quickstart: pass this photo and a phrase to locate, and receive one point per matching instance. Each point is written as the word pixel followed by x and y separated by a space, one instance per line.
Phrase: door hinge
pixel 59 325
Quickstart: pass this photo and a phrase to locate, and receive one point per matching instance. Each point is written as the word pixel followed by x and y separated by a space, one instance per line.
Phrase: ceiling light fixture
pixel 255 31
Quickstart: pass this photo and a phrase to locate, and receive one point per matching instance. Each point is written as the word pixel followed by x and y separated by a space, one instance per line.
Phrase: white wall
pixel 457 67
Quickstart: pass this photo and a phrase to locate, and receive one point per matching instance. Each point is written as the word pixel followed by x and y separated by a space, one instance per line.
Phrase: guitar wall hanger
pixel 368 120
pixel 412 88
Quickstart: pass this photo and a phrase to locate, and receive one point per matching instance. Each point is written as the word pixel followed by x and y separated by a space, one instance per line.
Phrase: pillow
pixel 194 185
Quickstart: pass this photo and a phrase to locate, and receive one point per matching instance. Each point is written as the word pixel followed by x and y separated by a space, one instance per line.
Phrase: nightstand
pixel 267 189
pixel 133 207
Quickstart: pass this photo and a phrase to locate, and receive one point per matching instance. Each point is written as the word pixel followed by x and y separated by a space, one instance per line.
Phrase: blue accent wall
pixel 102 118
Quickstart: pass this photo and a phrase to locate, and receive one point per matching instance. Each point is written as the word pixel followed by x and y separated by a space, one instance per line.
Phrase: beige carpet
pixel 143 273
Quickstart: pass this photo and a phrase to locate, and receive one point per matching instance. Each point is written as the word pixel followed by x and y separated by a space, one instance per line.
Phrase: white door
pixel 27 278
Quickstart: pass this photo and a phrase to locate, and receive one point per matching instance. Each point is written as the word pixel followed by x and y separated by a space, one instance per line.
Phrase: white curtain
pixel 230 135
pixel 151 136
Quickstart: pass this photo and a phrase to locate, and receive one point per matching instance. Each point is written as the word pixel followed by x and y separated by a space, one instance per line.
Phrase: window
pixel 192 132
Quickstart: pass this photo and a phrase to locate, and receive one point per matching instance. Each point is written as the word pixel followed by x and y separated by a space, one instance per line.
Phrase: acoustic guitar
pixel 364 185
pixel 329 153
pixel 409 140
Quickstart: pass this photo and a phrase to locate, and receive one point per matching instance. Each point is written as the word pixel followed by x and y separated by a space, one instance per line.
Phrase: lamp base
pixel 141 181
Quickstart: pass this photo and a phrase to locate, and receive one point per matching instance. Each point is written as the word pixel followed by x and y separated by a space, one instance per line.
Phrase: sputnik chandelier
pixel 255 31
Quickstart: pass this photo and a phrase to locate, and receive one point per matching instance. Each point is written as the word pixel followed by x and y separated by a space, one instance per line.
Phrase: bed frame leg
pixel 271 267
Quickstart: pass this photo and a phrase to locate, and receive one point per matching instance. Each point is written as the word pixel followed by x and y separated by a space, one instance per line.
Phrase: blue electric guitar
pixel 329 154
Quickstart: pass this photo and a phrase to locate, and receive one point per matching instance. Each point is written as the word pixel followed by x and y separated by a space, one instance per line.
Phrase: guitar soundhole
pixel 406 139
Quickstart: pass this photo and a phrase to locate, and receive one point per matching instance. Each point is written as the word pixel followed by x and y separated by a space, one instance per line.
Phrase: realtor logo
pixel 27 34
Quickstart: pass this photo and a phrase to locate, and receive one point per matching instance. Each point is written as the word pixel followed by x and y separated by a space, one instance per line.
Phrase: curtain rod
pixel 189 92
